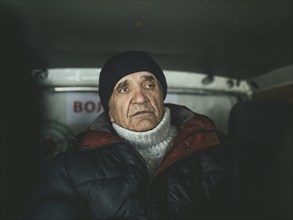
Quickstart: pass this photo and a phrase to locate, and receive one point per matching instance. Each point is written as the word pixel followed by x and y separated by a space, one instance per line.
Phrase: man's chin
pixel 143 126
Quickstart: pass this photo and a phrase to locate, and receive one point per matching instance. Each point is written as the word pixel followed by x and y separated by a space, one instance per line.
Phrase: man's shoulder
pixel 93 139
pixel 181 114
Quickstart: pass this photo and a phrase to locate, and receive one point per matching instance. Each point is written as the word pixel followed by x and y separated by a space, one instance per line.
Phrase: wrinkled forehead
pixel 137 77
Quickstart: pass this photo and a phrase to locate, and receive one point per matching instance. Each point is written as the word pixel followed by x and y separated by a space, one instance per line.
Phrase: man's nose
pixel 139 96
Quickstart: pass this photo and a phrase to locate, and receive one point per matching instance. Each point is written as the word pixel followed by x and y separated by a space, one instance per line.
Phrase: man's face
pixel 137 102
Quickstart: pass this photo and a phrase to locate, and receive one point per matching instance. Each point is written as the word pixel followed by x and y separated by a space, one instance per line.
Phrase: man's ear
pixel 111 118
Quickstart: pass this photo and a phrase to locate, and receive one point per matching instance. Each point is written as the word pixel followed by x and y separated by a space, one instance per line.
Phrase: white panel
pixel 179 81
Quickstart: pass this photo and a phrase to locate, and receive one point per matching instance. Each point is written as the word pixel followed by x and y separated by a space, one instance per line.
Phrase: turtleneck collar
pixel 150 137
pixel 153 144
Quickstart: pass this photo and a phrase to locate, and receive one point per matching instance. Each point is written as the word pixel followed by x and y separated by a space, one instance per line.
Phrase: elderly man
pixel 141 158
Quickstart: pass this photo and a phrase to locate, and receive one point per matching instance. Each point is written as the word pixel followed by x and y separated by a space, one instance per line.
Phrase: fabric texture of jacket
pixel 104 177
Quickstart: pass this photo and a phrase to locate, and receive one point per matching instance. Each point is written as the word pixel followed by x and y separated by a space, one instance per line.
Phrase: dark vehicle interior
pixel 239 40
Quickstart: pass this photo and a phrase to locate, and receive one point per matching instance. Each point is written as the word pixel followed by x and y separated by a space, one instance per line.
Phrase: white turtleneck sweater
pixel 152 144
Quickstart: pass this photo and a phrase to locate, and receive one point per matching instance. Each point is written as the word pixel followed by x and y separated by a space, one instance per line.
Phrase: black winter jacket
pixel 103 177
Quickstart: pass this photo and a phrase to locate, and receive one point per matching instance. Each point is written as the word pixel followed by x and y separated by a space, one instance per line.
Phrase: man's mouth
pixel 141 113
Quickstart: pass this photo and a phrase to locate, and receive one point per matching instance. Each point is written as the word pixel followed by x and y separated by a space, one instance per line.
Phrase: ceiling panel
pixel 238 39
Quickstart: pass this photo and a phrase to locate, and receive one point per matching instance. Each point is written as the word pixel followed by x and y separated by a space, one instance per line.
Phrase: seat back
pixel 263 132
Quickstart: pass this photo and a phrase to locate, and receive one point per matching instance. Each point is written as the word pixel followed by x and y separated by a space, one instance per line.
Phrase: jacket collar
pixel 191 128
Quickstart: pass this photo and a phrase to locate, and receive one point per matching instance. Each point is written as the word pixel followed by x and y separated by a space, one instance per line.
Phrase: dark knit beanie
pixel 124 64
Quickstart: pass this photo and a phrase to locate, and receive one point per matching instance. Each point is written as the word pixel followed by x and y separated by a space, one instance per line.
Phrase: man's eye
pixel 123 89
pixel 149 85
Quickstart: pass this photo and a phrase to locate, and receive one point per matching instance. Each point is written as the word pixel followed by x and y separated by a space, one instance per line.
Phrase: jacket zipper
pixel 149 184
